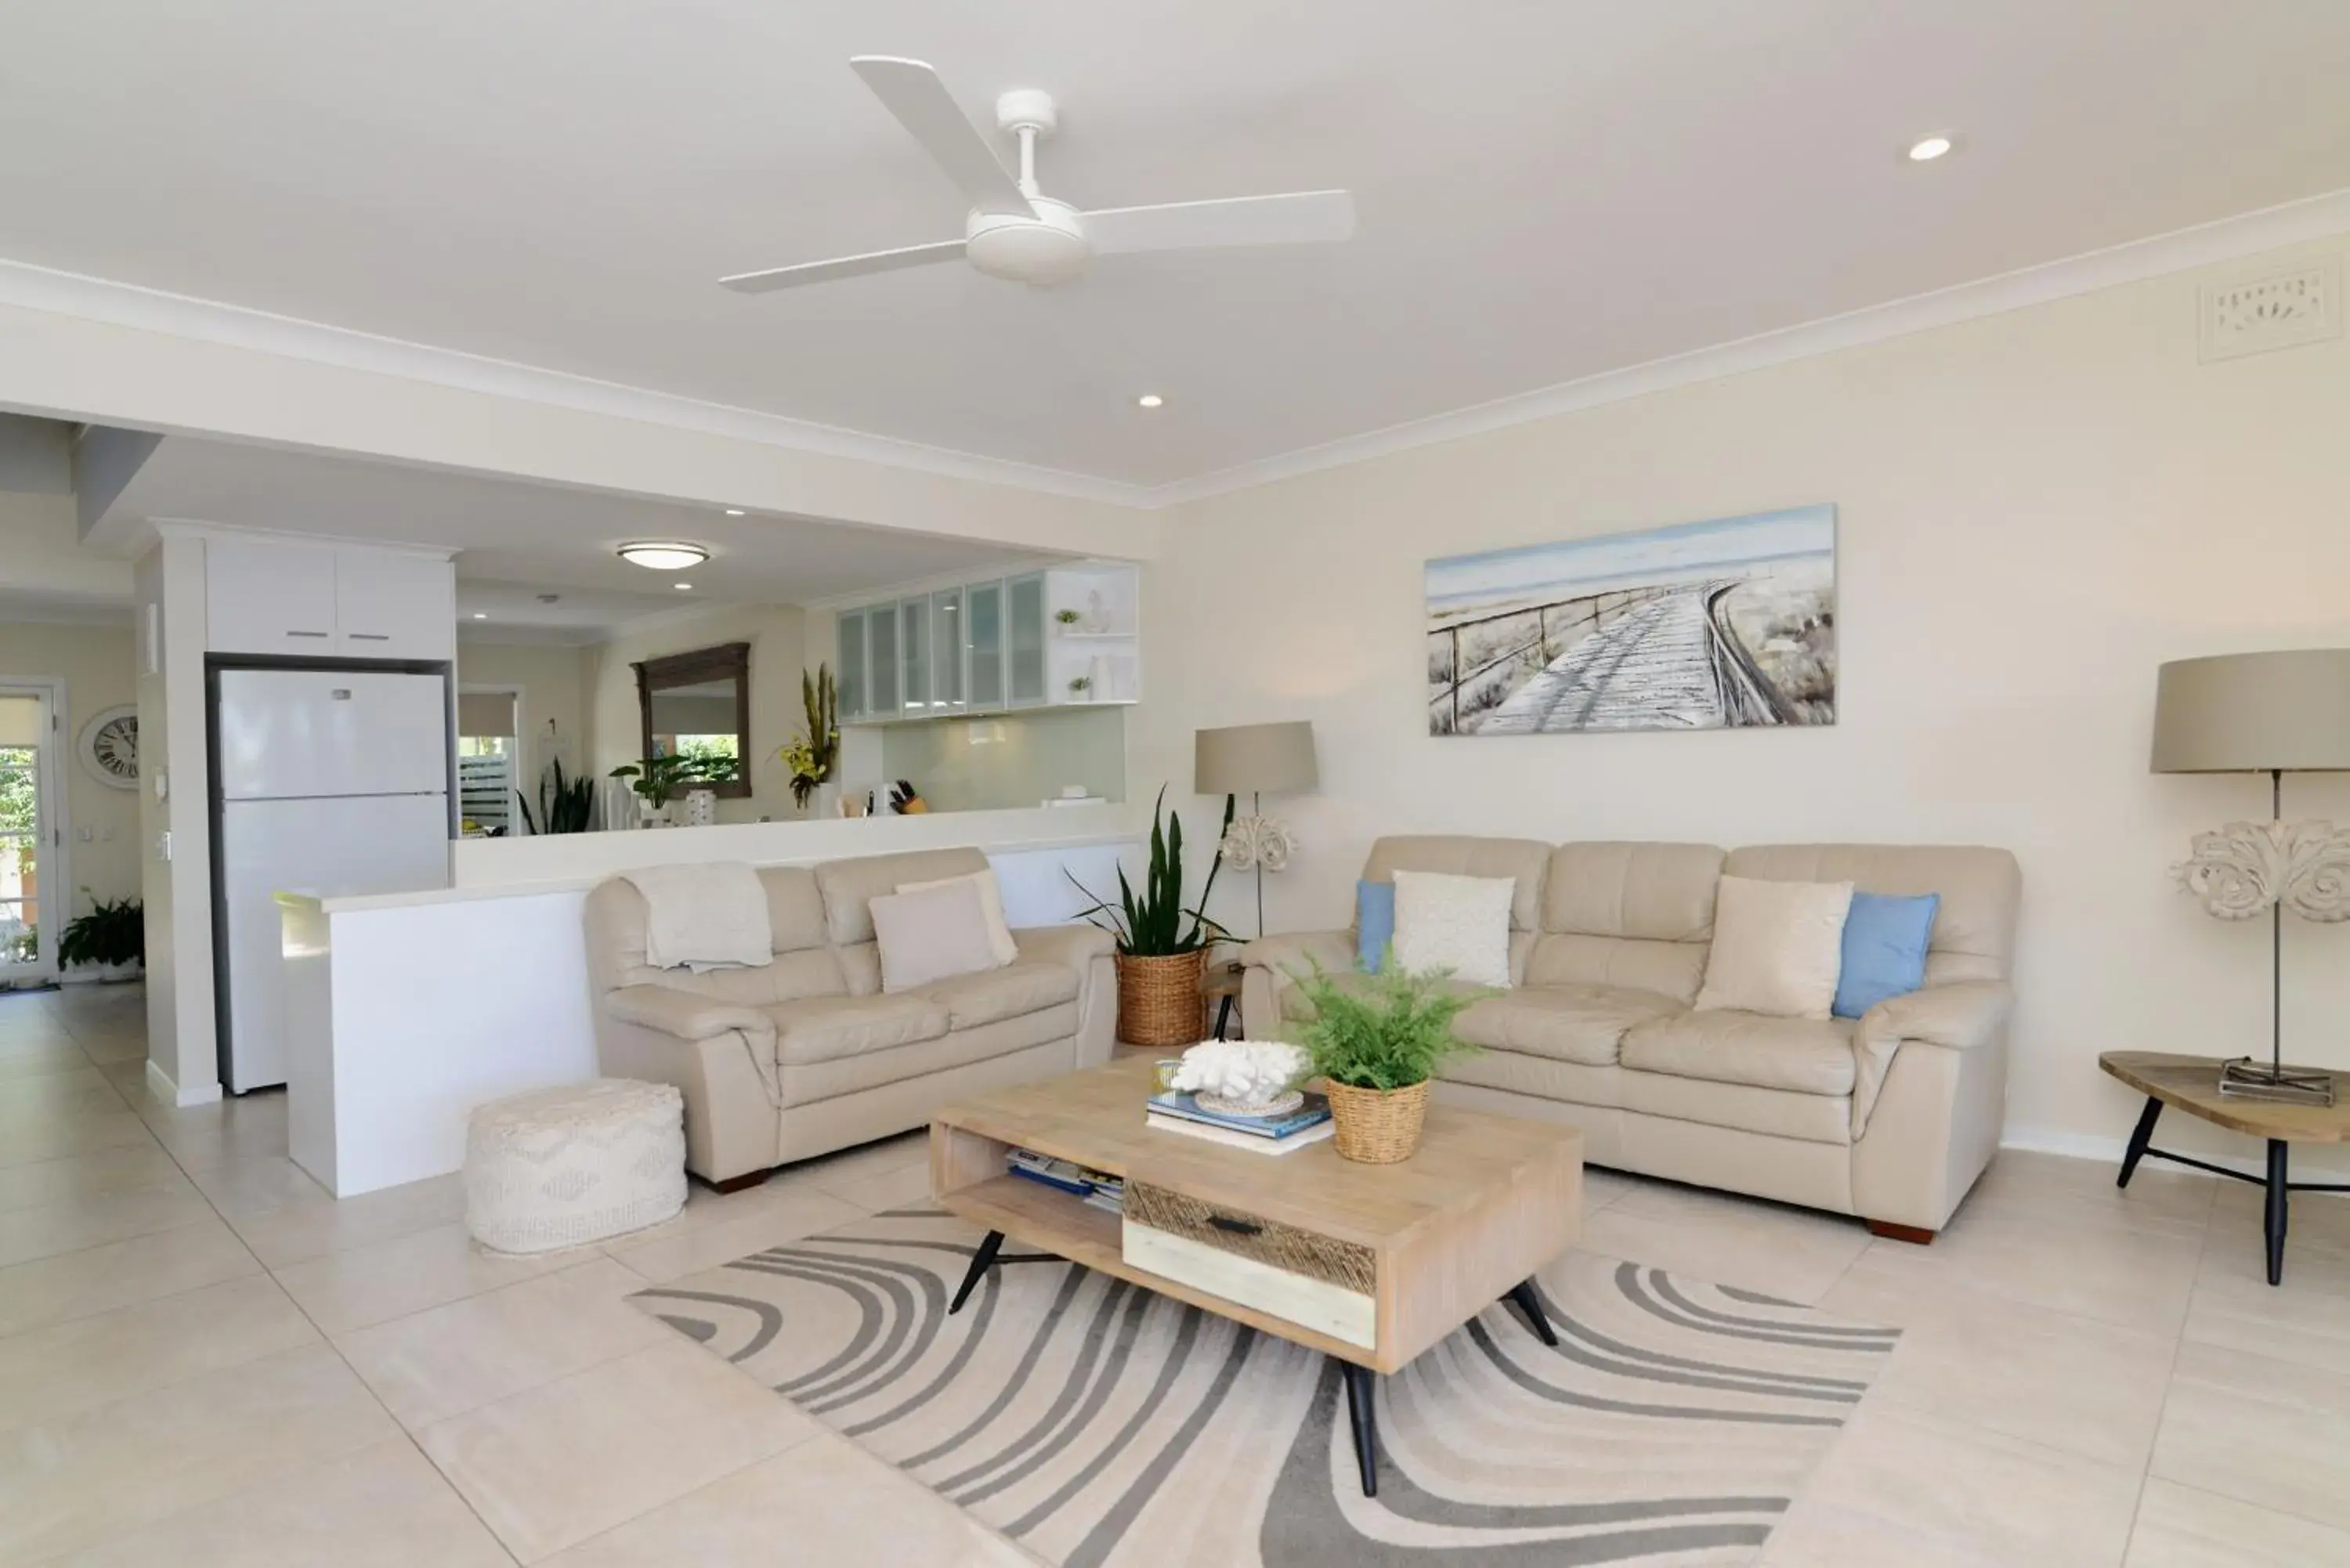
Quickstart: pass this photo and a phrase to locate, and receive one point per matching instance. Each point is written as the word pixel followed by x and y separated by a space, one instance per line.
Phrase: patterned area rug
pixel 1103 1427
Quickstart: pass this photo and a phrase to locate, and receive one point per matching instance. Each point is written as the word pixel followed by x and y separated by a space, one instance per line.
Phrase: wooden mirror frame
pixel 731 658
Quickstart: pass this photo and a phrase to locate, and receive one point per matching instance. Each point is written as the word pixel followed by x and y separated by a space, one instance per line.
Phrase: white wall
pixel 95 662
pixel 180 1036
pixel 554 684
pixel 2036 509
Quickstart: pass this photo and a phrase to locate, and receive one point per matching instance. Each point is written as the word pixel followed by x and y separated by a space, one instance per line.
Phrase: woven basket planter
pixel 1377 1126
pixel 1159 999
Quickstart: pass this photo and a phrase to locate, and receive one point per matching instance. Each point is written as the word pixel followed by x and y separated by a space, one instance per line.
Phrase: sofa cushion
pixel 1016 989
pixel 1583 1024
pixel 1775 1113
pixel 1647 892
pixel 935 934
pixel 815 1081
pixel 1523 860
pixel 1296 1006
pixel 1457 924
pixel 824 1028
pixel 1777 947
pixel 1974 928
pixel 1807 1056
pixel 850 887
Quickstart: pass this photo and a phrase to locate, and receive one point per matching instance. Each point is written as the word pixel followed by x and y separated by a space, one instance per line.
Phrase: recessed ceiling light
pixel 663 554
pixel 733 512
pixel 1925 149
pixel 481 615
pixel 683 586
pixel 1149 401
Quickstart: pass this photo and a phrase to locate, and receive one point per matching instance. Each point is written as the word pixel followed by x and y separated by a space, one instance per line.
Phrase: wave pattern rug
pixel 1103 1427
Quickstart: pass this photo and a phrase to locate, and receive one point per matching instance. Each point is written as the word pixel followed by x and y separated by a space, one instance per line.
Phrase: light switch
pixel 85 835
pixel 162 785
pixel 163 845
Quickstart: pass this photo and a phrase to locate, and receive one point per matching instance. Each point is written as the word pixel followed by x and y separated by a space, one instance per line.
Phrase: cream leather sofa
pixel 1890 1117
pixel 805 1054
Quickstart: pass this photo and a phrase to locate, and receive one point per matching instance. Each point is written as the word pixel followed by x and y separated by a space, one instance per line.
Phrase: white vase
pixel 701 808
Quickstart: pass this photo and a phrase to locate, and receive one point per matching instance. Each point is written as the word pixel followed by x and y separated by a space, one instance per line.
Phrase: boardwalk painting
pixel 1702 625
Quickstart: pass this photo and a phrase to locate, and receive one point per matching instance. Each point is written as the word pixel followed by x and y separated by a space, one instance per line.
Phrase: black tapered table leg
pixel 1530 1303
pixel 1365 1420
pixel 2279 1207
pixel 1223 1016
pixel 2138 1140
pixel 982 1259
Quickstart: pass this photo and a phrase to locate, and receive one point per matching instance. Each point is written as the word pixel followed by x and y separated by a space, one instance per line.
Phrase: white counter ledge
pixel 404 1011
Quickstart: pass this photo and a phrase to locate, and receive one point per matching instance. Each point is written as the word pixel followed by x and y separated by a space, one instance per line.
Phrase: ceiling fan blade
pixel 912 92
pixel 843 266
pixel 1300 217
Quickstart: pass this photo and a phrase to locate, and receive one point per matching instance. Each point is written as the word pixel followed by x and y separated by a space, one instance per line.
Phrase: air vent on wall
pixel 2283 310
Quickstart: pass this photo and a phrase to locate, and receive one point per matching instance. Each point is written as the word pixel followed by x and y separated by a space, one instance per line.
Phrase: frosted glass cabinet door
pixel 947 651
pixel 1025 625
pixel 848 666
pixel 881 661
pixel 984 611
pixel 914 657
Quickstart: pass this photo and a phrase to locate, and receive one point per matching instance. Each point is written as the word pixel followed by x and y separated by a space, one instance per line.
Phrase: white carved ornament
pixel 1257 841
pixel 2240 871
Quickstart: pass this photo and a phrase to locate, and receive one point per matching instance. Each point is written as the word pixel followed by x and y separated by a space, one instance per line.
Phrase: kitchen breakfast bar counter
pixel 404 1011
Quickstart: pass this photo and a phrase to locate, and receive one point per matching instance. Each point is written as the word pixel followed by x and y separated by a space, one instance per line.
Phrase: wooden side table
pixel 1221 983
pixel 2192 1084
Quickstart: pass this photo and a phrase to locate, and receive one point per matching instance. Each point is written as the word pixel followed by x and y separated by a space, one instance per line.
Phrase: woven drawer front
pixel 1345 1264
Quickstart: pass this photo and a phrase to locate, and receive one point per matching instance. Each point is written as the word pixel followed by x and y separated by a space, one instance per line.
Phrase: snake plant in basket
pixel 1159 958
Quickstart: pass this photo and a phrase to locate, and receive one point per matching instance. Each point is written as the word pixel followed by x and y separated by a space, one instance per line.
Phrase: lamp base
pixel 2245 1079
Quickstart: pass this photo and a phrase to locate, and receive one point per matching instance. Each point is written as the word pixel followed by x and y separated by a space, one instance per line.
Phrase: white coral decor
pixel 1243 1072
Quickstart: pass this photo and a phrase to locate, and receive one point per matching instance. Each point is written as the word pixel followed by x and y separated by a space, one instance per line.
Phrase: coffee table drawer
pixel 1315 1281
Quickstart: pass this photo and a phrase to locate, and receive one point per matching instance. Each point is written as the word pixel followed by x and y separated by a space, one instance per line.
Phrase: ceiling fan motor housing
pixel 1049 248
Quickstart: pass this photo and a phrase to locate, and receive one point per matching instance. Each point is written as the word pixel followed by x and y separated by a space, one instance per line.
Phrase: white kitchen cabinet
pixel 267 596
pixel 983 631
pixel 1024 616
pixel 1068 636
pixel 849 670
pixel 327 601
pixel 390 605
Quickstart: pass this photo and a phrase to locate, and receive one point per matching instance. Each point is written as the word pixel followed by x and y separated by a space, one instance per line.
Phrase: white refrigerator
pixel 329 783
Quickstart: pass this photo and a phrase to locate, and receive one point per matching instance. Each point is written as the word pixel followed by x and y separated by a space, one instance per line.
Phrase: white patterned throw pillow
pixel 1778 947
pixel 1457 923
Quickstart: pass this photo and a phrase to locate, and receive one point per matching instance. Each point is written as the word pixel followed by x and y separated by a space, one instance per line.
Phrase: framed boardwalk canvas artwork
pixel 1701 626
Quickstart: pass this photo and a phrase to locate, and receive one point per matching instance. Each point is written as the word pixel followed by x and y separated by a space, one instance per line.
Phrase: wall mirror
pixel 698 705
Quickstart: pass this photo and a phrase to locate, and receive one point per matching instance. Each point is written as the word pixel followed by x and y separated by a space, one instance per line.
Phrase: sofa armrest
pixel 1271 965
pixel 1075 945
pixel 1962 1015
pixel 684 1013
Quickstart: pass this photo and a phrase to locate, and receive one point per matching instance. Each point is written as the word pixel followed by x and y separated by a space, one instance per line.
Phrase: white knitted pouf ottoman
pixel 561 1168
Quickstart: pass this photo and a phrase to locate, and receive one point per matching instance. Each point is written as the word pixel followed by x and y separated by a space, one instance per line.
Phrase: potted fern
pixel 111 939
pixel 1159 958
pixel 1376 1044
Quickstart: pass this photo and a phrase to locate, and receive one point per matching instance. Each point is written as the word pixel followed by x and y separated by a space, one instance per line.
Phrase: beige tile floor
pixel 205 1360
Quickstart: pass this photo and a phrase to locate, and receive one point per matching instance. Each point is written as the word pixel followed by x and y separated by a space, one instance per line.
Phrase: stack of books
pixel 1098 1187
pixel 1180 1113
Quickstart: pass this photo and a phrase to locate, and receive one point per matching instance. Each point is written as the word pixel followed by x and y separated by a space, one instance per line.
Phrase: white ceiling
pixel 517 540
pixel 1547 189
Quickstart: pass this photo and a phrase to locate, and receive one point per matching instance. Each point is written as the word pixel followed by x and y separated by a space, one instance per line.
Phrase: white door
pixel 284 734
pixel 381 844
pixel 32 869
pixel 264 597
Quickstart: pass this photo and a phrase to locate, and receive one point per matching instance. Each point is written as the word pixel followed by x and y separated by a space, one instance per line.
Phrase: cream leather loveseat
pixel 805 1054
pixel 1890 1117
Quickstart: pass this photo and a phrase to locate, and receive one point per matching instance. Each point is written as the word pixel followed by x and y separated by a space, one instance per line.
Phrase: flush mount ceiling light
pixel 1149 401
pixel 733 512
pixel 681 587
pixel 481 615
pixel 663 554
pixel 1925 149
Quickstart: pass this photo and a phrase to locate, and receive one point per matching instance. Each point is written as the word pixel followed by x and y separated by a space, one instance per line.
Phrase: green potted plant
pixel 1158 957
pixel 564 805
pixel 815 751
pixel 112 936
pixel 1375 1043
pixel 657 780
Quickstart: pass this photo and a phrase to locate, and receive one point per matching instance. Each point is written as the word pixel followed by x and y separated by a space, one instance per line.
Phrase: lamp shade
pixel 1255 759
pixel 2254 713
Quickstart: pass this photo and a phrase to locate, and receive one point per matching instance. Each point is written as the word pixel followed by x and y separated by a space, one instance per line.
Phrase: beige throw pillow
pixel 1458 923
pixel 933 935
pixel 1777 947
pixel 991 900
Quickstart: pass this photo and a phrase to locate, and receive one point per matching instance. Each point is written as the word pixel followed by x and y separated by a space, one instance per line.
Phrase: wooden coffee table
pixel 1370 1264
pixel 2192 1084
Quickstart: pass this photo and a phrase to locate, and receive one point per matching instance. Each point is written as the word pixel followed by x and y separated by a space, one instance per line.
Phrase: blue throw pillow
pixel 1885 942
pixel 1374 922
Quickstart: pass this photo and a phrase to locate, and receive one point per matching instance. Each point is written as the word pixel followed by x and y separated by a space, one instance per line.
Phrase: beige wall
pixel 2035 510
pixel 775 633
pixel 96 664
pixel 554 683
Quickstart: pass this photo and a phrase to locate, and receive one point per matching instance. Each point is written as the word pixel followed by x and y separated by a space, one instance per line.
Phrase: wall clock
pixel 109 747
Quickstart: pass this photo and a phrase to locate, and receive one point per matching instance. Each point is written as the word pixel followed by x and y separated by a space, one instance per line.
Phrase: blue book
pixel 1312 1113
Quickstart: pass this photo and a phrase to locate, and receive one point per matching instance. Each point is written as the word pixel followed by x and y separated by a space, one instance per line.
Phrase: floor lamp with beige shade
pixel 1255 760
pixel 2271 713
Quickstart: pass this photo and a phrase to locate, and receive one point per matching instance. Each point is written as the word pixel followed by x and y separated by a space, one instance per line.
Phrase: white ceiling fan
pixel 1016 232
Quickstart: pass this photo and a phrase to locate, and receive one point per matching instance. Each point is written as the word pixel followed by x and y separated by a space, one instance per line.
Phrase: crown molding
pixel 125 305
pixel 2227 239
pixel 201 528
pixel 239 326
